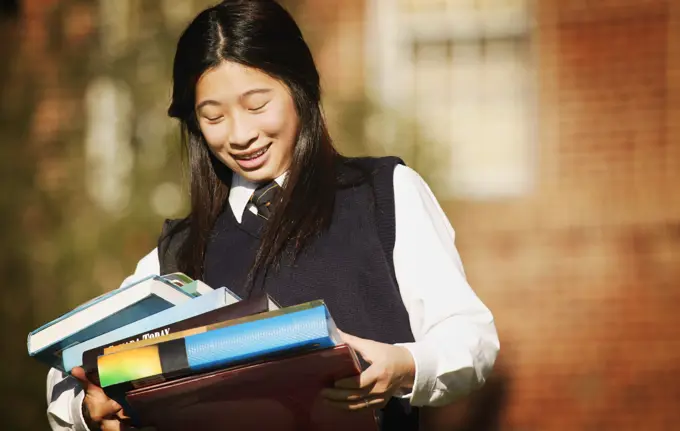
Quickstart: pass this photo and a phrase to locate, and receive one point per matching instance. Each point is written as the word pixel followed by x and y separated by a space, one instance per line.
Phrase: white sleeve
pixel 148 265
pixel 455 337
pixel 64 401
pixel 64 394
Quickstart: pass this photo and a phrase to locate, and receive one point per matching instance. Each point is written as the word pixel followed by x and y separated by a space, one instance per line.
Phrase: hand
pixel 391 368
pixel 104 413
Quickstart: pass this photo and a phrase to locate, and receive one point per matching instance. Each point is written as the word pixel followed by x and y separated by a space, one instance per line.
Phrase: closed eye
pixel 214 119
pixel 259 107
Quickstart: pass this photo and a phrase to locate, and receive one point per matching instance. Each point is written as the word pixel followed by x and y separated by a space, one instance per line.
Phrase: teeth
pixel 252 156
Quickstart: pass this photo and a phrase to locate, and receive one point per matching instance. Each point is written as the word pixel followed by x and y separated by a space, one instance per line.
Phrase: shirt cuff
pixel 77 413
pixel 426 373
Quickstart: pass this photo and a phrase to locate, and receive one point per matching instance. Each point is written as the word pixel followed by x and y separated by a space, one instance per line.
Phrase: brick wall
pixel 334 29
pixel 584 275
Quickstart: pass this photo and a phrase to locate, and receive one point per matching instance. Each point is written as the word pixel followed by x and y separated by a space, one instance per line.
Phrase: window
pixel 455 79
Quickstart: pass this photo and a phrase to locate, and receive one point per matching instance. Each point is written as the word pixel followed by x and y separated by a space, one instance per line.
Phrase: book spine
pixel 73 355
pixel 302 330
pixel 149 306
pixel 254 305
pixel 200 329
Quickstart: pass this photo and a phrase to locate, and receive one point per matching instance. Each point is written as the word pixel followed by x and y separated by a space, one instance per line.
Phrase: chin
pixel 258 176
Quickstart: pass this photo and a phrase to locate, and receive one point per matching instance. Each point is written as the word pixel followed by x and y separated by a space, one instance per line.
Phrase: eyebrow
pixel 243 96
pixel 255 91
pixel 207 102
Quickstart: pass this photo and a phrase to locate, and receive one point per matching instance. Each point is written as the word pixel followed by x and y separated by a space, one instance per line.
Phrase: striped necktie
pixel 264 197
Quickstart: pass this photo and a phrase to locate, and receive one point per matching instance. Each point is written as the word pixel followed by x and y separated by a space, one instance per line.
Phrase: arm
pixel 64 393
pixel 64 401
pixel 455 338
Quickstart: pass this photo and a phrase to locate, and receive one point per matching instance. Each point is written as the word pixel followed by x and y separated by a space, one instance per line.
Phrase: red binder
pixel 277 395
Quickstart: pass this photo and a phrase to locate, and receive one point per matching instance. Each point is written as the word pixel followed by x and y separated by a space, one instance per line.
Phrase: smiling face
pixel 248 120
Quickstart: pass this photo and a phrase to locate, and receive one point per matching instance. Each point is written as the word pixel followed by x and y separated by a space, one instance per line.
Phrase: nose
pixel 242 133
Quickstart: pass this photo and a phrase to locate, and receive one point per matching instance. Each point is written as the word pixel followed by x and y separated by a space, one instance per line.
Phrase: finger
pixel 79 374
pixel 346 395
pixel 353 382
pixel 122 416
pixel 115 425
pixel 107 409
pixel 367 379
pixel 87 385
pixel 353 341
pixel 102 410
pixel 111 425
pixel 364 404
pixel 98 405
pixel 379 389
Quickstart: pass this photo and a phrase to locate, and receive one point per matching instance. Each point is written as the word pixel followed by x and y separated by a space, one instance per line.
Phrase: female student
pixel 275 207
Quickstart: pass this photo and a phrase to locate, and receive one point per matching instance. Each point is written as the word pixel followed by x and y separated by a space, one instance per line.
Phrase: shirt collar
pixel 241 190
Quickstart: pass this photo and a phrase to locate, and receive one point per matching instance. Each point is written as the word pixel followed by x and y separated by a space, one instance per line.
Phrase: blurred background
pixel 549 131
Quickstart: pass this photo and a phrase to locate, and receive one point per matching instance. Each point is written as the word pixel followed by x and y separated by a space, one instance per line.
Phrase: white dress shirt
pixel 455 337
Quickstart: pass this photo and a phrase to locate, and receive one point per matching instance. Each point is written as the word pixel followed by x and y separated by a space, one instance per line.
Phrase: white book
pixel 104 314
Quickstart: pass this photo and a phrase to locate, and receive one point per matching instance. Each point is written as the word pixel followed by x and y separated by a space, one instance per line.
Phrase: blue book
pixel 103 314
pixel 299 328
pixel 73 356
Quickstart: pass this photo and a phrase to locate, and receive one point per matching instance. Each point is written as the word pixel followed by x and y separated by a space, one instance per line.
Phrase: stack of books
pixel 178 355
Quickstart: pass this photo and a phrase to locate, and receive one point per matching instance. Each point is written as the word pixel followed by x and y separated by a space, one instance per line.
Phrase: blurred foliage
pixel 60 247
pixel 362 128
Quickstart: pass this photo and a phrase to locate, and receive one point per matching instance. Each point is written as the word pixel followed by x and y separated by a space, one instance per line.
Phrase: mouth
pixel 253 154
pixel 254 159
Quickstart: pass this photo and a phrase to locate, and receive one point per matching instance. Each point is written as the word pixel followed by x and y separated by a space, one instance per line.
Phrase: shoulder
pixel 371 164
pixel 390 169
pixel 411 190
pixel 352 171
pixel 388 177
pixel 408 181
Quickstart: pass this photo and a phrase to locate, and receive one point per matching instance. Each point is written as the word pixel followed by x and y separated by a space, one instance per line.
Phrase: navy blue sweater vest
pixel 349 266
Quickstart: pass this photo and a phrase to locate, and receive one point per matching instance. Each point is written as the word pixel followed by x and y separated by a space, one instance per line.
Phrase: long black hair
pixel 259 34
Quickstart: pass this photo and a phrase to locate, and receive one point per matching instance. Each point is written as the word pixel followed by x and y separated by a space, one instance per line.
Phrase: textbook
pixel 161 323
pixel 216 325
pixel 195 318
pixel 275 395
pixel 103 314
pixel 292 329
